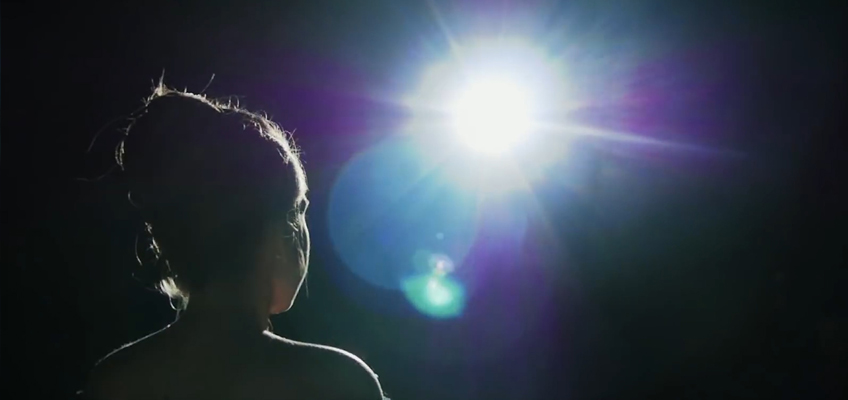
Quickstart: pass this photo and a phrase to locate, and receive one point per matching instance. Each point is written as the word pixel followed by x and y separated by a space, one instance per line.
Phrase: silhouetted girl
pixel 223 193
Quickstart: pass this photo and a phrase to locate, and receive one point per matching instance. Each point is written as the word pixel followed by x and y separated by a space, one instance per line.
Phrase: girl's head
pixel 223 193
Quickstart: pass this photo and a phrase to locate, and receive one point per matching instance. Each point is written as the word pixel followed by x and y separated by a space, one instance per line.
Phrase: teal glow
pixel 435 296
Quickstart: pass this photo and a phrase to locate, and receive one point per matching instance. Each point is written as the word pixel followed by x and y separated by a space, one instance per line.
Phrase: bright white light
pixel 492 115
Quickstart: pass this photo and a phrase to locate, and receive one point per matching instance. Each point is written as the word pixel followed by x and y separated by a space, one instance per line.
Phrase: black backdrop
pixel 729 285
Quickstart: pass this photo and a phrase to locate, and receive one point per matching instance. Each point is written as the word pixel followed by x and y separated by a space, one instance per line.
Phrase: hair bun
pixel 174 150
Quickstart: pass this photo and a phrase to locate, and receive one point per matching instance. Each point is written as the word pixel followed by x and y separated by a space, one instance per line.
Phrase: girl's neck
pixel 226 310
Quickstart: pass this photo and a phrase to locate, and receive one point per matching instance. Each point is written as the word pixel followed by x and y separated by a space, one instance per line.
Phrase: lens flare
pixel 389 213
pixel 435 296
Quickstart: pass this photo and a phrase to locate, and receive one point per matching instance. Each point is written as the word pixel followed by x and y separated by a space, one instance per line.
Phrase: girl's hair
pixel 209 179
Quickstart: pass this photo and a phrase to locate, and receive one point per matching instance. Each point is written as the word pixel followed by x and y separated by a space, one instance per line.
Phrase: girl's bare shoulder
pixel 124 367
pixel 338 373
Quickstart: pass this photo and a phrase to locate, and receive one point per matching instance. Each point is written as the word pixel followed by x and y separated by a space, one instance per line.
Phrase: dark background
pixel 728 283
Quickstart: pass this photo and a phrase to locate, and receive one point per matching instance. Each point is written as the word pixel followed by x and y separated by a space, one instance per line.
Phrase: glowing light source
pixel 492 114
pixel 493 95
